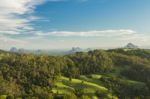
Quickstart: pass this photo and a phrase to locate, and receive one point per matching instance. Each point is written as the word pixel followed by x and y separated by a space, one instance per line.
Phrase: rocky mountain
pixel 131 45
pixel 13 49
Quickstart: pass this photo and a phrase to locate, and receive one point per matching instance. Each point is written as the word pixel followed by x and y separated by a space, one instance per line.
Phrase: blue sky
pixel 59 24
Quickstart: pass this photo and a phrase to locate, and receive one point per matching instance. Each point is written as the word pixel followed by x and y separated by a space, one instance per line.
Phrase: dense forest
pixel 97 74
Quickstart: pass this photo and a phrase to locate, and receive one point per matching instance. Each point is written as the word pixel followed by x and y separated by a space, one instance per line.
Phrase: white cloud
pixel 18 6
pixel 104 33
pixel 121 35
pixel 11 15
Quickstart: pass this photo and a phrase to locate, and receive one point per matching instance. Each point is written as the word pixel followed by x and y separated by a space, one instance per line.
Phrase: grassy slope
pixel 89 84
pixel 66 86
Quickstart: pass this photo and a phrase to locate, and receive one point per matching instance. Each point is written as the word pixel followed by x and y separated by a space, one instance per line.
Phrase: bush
pixel 50 96
pixel 85 97
pixel 100 94
pixel 10 97
pixel 70 96
pixel 3 96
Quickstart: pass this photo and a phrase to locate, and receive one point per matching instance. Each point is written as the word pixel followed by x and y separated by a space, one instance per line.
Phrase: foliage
pixel 35 76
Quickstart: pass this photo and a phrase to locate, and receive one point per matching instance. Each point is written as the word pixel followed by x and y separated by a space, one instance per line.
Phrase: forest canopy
pixel 120 72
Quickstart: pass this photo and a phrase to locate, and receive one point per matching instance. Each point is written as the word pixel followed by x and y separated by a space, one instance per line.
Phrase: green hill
pixel 98 74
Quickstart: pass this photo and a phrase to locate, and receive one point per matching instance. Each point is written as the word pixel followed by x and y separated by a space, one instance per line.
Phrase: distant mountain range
pixel 49 52
pixel 61 52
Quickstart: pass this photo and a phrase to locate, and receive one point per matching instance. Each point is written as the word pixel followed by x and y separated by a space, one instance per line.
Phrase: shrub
pixel 10 97
pixel 70 96
pixel 3 96
pixel 85 97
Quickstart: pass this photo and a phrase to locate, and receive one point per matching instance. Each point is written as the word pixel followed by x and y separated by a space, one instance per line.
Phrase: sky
pixel 61 24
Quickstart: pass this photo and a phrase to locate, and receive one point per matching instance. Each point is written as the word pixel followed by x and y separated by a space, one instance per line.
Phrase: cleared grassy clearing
pixel 89 84
pixel 84 83
pixel 65 86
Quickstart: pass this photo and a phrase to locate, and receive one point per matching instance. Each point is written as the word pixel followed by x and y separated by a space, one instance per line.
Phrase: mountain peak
pixel 131 45
pixel 13 49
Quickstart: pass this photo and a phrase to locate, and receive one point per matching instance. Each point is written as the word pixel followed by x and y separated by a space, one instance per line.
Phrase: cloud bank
pixel 120 34
pixel 95 33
